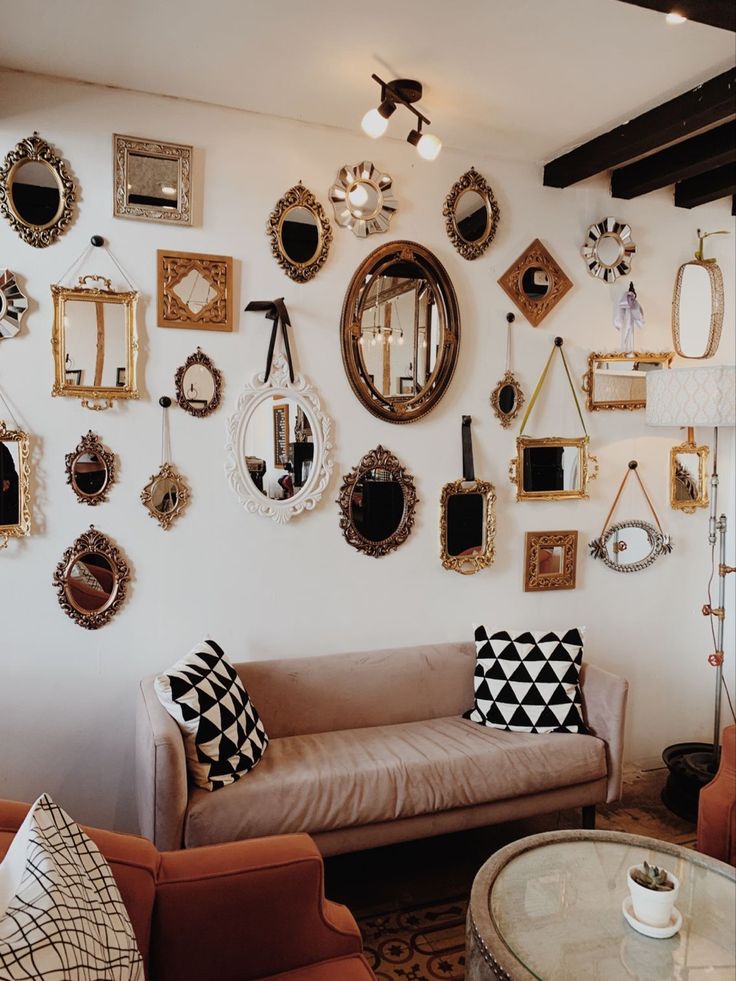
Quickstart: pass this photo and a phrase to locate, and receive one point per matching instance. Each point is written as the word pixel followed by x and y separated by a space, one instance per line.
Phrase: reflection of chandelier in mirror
pixel 405 92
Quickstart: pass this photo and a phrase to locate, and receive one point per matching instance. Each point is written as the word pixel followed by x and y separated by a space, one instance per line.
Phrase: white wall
pixel 67 695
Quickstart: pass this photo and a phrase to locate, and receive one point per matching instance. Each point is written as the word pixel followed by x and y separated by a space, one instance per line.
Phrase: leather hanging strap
pixel 633 465
pixel 467 437
pixel 275 310
pixel 540 385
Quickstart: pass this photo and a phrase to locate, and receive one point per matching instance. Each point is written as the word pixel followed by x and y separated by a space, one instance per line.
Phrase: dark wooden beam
pixel 720 183
pixel 733 205
pixel 715 148
pixel 715 13
pixel 706 104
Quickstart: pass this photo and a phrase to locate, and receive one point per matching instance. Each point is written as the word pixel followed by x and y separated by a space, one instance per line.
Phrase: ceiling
pixel 525 79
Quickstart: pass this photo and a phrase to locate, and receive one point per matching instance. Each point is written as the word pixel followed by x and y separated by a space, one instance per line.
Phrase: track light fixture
pixel 404 92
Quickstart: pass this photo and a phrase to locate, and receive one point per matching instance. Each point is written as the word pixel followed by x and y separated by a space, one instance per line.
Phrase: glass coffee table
pixel 548 907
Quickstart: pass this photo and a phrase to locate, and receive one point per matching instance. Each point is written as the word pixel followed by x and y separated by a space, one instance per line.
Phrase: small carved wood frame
pixel 199 357
pixel 535 257
pixel 33 148
pixel 96 543
pixel 378 459
pixel 506 418
pixel 91 444
pixel 587 468
pixel 536 545
pixel 299 196
pixel 22 528
pixel 698 491
pixel 471 180
pixel 123 146
pixel 593 403
pixel 216 270
pixel 165 518
pixel 467 565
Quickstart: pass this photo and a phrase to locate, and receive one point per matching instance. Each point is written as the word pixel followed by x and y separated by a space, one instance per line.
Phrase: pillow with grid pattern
pixel 61 913
pixel 528 681
pixel 223 735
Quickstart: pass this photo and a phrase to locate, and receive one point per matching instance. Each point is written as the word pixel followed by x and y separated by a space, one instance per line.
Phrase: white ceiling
pixel 519 78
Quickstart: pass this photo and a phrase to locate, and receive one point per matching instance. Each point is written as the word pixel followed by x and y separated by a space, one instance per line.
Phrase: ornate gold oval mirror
pixel 507 399
pixel 535 282
pixel 90 470
pixel 619 381
pixel 552 468
pixel 198 385
pixel 608 249
pixel 697 309
pixel 91 579
pixel 15 483
pixel 467 525
pixel 152 180
pixel 13 304
pixel 363 199
pixel 94 341
pixel 377 501
pixel 165 495
pixel 300 234
pixel 400 331
pixel 471 214
pixel 36 192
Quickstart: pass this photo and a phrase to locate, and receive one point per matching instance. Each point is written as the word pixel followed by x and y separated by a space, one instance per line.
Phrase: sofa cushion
pixel 354 777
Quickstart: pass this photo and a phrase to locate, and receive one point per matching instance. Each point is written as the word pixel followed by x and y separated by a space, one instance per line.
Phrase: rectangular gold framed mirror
pixel 94 337
pixel 15 482
pixel 553 468
pixel 688 476
pixel 467 525
pixel 152 180
pixel 550 560
pixel 619 381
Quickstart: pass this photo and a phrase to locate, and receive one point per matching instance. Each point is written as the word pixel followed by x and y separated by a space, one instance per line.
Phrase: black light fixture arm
pixel 402 91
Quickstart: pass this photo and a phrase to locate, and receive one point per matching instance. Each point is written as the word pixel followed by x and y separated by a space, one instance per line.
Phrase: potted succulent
pixel 653 893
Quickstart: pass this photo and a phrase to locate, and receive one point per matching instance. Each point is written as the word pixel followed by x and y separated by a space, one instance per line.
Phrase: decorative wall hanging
pixel 471 214
pixel 90 470
pixel 608 249
pixel 15 483
pixel 627 318
pixel 152 180
pixel 689 475
pixel 36 192
pixel 13 304
pixel 91 580
pixel 629 546
pixel 619 381
pixel 300 234
pixel 550 560
pixel 377 501
pixel 274 471
pixel 363 199
pixel 535 283
pixel 198 385
pixel 507 397
pixel 400 332
pixel 195 290
pixel 552 468
pixel 697 305
pixel 166 494
pixel 467 517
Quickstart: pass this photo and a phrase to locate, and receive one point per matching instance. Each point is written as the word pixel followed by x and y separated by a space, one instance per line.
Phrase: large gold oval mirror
pixel 300 234
pixel 91 579
pixel 36 192
pixel 400 331
pixel 471 214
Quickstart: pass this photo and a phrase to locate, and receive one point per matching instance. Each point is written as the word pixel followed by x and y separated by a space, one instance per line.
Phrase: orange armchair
pixel 243 911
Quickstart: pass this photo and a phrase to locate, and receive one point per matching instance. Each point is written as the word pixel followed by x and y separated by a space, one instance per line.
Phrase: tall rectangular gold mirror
pixel 619 381
pixel 94 337
pixel 552 468
pixel 467 525
pixel 15 478
pixel 688 476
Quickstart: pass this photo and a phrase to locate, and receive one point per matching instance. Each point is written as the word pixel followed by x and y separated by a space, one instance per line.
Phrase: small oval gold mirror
pixel 300 234
pixel 36 192
pixel 471 214
pixel 91 580
pixel 90 470
pixel 377 501
pixel 198 385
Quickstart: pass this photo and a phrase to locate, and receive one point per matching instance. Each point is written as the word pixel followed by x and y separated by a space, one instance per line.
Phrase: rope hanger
pixel 543 378
pixel 633 468
pixel 96 242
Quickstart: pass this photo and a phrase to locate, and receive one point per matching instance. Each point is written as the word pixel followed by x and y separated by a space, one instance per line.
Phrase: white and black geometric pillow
pixel 224 737
pixel 528 681
pixel 61 914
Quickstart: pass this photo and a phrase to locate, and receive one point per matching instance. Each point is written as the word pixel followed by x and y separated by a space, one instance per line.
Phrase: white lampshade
pixel 703 396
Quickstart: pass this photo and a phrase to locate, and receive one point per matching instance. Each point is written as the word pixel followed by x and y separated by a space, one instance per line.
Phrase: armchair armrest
pixel 604 701
pixel 245 910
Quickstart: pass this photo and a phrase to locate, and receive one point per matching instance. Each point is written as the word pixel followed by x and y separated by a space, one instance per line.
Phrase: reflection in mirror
pixel 688 476
pixel 628 544
pixel 697 310
pixel 15 476
pixel 198 384
pixel 507 399
pixel 90 474
pixel 300 235
pixel 13 304
pixel 195 290
pixel 165 495
pixel 279 447
pixel 36 192
pixel 471 215
pixel 467 526
pixel 687 480
pixel 553 468
pixel 377 500
pixel 152 180
pixel 90 582
pixel 535 283
pixel 551 560
pixel 619 381
pixel 609 249
pixel 363 199
pixel 91 579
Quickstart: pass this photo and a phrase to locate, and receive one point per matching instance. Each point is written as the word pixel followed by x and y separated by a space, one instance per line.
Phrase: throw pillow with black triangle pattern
pixel 224 737
pixel 528 681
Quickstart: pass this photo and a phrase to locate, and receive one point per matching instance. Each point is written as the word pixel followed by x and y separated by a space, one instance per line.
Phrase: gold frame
pixel 217 270
pixel 91 444
pixel 96 542
pixel 299 196
pixel 122 146
pixel 506 418
pixel 378 459
pixel 199 357
pixel 588 383
pixel 535 581
pixel 536 255
pixel 339 194
pixel 23 528
pixel 33 148
pixel 94 294
pixel 716 316
pixel 166 472
pixel 468 565
pixel 471 180
pixel 702 500
pixel 586 459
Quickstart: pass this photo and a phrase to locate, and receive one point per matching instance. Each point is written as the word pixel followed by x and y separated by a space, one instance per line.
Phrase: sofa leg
pixel 588 822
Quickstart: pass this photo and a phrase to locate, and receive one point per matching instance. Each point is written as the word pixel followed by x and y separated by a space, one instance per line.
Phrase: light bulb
pixel 674 18
pixel 429 146
pixel 358 196
pixel 168 189
pixel 374 124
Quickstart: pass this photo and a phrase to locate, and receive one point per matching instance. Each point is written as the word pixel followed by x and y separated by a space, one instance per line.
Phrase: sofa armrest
pixel 244 910
pixel 604 701
pixel 160 771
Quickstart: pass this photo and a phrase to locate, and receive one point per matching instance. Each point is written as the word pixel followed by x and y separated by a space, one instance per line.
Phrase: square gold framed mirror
pixel 550 560
pixel 553 468
pixel 152 180
pixel 195 290
pixel 619 381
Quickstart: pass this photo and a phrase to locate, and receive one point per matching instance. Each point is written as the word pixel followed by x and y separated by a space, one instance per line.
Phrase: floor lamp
pixel 698 397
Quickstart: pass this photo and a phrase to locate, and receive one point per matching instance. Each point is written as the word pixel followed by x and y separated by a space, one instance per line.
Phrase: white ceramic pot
pixel 651 906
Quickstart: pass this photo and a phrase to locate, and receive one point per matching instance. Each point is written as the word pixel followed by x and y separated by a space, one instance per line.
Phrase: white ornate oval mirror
pixel 278 445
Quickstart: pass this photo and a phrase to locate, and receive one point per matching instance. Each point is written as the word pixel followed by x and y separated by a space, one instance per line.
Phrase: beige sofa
pixel 368 749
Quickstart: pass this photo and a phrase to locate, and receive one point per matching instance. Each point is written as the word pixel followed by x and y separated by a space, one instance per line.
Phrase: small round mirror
pixel 90 582
pixel 300 237
pixel 198 383
pixel 377 505
pixel 471 215
pixel 535 283
pixel 89 474
pixel 364 199
pixel 35 193
pixel 507 399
